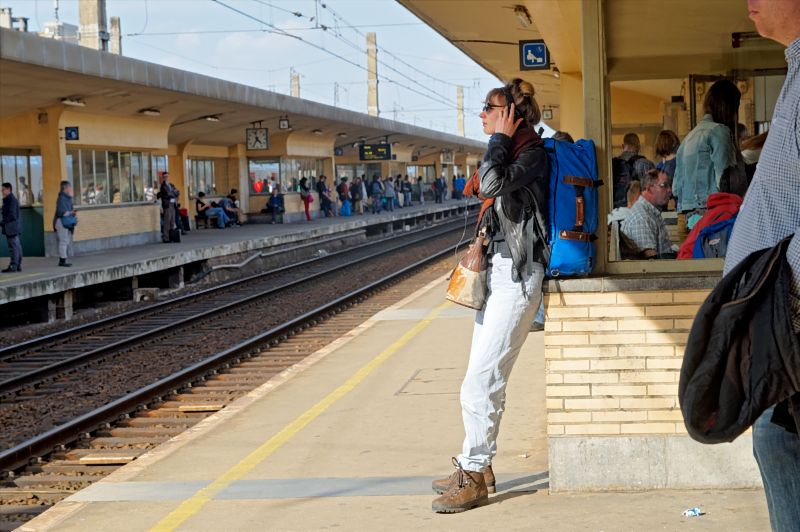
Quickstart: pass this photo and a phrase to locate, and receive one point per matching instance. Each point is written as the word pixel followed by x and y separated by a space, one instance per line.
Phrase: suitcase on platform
pixel 175 235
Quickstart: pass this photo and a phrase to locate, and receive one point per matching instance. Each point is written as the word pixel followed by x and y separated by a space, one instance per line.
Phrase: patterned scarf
pixel 523 139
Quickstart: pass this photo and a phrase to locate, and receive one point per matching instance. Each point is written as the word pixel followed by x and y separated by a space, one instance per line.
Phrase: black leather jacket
pixel 515 185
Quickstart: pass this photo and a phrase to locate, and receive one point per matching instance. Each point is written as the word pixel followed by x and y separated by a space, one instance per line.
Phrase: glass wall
pixel 351 171
pixel 100 177
pixel 23 169
pixel 263 174
pixel 426 171
pixel 293 170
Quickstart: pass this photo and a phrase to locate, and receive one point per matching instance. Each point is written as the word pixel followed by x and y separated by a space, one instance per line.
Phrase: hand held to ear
pixel 505 121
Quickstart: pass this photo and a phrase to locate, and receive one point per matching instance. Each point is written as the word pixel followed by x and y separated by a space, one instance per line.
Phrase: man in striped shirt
pixel 770 213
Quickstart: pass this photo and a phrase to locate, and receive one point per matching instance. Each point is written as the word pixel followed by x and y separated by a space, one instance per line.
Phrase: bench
pixel 205 220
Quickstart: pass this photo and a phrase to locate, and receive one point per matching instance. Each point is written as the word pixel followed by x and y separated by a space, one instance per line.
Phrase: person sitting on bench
pixel 205 210
pixel 231 211
pixel 275 205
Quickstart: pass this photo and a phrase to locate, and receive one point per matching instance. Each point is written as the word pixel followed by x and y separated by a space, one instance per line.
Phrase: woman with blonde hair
pixel 512 182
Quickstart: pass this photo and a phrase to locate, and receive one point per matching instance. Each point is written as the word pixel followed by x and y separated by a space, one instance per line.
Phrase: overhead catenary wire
pixel 412 67
pixel 355 46
pixel 285 33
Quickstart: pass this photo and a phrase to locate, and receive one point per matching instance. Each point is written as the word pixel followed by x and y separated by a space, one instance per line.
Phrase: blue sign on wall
pixel 533 55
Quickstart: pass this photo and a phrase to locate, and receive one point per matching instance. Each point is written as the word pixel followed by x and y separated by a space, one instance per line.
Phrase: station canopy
pixel 36 73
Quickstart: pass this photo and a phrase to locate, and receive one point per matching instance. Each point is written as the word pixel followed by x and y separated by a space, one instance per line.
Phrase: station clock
pixel 257 138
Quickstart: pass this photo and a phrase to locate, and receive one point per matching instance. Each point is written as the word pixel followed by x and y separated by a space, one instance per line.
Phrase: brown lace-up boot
pixel 443 484
pixel 468 491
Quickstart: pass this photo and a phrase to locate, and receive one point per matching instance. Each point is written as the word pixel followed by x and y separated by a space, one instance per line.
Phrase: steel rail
pixel 13 384
pixel 11 351
pixel 43 444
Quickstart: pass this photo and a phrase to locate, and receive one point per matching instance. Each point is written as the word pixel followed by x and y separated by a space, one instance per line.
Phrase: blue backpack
pixel 572 207
pixel 712 241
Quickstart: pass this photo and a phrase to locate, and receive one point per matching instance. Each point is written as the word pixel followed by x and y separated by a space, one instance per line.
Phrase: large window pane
pixel 137 184
pixel 125 177
pixel 87 177
pixel 100 178
pixel 263 174
pixel 22 184
pixel 37 192
pixel 114 177
pixel 74 175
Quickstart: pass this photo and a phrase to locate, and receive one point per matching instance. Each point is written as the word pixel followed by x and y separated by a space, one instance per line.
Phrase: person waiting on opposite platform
pixel 439 188
pixel 343 193
pixel 206 210
pixel 167 195
pixel 306 197
pixel 325 200
pixel 376 194
pixel 643 233
pixel 458 187
pixel 357 195
pixel 11 224
pixel 407 190
pixel 389 193
pixel 398 191
pixel 275 204
pixel 420 190
pixel 64 210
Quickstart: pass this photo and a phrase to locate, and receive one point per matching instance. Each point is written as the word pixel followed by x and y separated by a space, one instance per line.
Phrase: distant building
pixel 7 20
pixel 60 31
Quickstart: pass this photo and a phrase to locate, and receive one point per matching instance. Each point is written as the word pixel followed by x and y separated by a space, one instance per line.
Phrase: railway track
pixel 84 449
pixel 31 363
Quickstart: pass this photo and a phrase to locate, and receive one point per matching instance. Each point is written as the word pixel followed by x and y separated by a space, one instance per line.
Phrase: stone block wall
pixel 613 354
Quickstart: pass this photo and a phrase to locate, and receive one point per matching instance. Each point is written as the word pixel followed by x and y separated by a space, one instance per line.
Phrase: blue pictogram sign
pixel 533 55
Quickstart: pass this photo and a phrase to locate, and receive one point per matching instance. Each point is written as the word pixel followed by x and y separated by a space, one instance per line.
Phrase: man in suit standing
pixel 12 228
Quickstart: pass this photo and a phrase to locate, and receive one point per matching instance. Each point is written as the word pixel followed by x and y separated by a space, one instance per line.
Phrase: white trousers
pixel 500 330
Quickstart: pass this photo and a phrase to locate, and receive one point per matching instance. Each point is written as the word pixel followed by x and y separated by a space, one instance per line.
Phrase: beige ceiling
pixel 488 32
pixel 646 39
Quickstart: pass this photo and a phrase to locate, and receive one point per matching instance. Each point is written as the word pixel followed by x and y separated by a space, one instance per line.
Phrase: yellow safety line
pixel 192 505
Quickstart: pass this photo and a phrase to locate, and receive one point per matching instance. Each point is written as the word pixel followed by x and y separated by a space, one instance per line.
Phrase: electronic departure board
pixel 375 152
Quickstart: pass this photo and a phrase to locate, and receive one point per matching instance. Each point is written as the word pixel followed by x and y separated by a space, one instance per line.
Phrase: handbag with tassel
pixel 467 285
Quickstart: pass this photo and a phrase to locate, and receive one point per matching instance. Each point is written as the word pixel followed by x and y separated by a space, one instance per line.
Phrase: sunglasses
pixel 488 106
pixel 664 185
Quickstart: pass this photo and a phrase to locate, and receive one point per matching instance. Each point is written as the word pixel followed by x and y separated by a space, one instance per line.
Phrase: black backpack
pixel 623 172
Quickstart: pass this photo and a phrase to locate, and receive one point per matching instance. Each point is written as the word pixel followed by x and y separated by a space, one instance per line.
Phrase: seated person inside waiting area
pixel 643 234
pixel 208 210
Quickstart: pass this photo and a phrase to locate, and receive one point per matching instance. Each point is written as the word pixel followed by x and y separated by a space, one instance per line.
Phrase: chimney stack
pixel 93 31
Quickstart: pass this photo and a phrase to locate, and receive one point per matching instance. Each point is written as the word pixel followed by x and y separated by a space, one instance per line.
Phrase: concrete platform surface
pixel 42 275
pixel 351 440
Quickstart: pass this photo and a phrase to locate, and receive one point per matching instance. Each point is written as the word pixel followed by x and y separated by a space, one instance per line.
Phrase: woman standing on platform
pixel 708 160
pixel 305 195
pixel 512 181
pixel 64 222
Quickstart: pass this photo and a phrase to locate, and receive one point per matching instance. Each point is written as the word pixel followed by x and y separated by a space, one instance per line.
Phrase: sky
pixel 255 42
